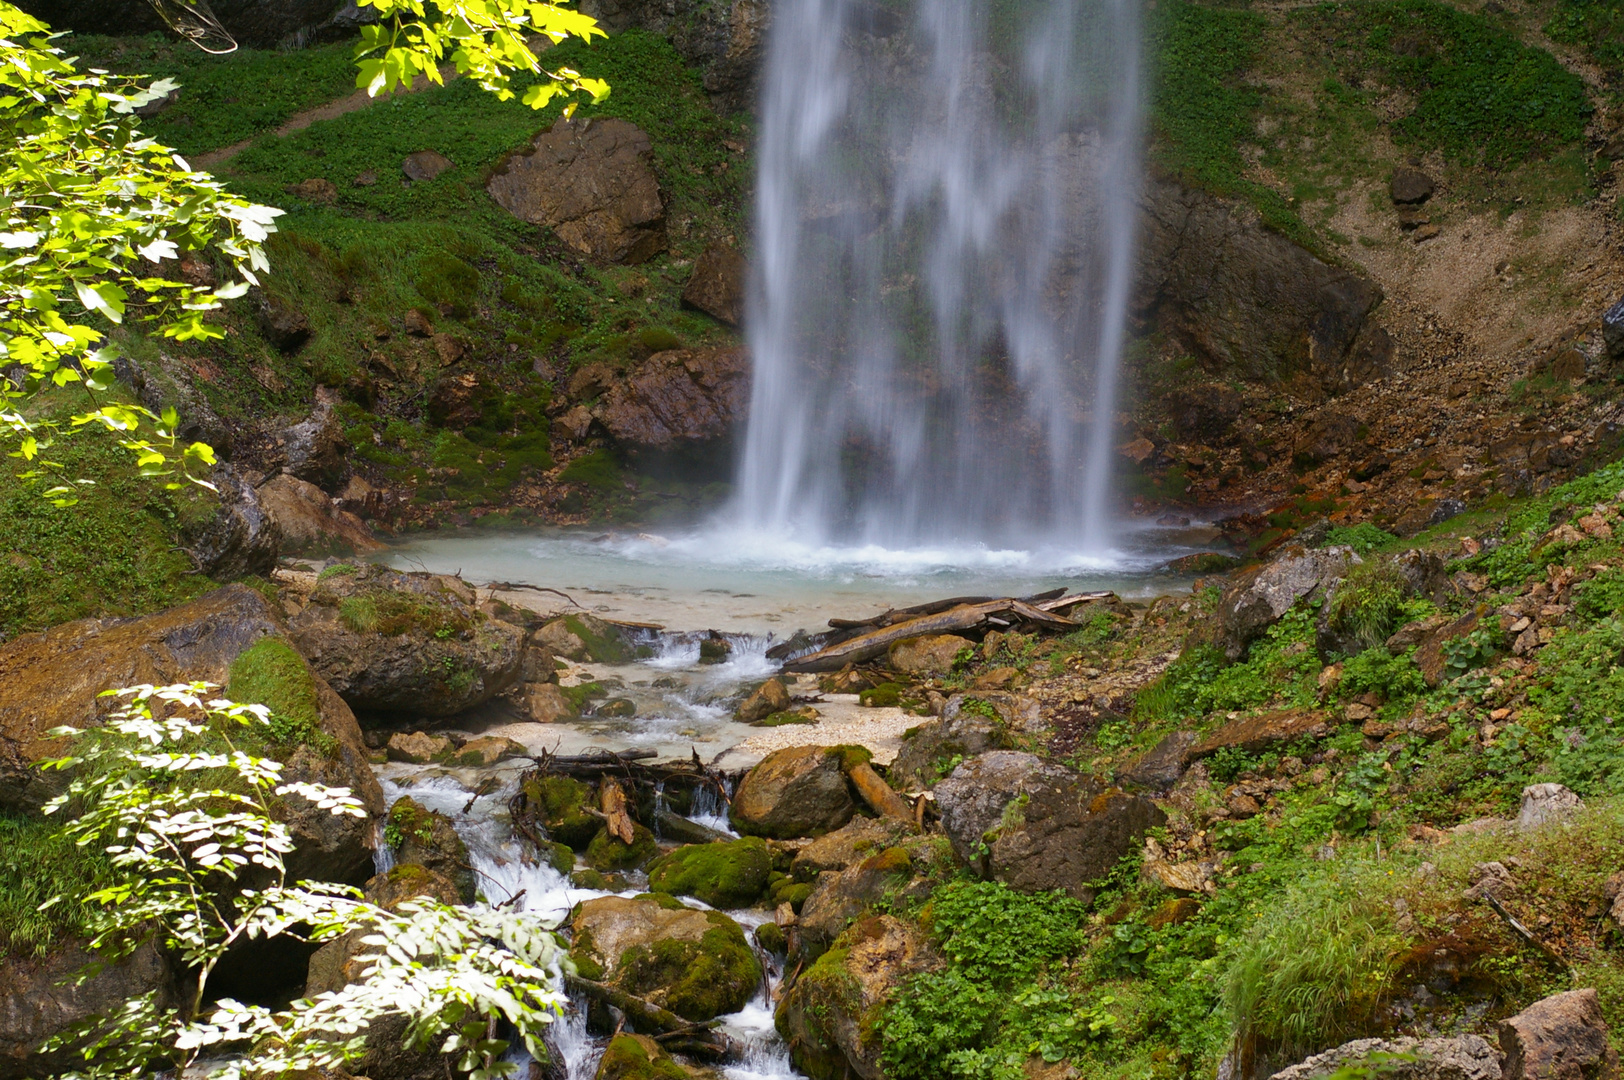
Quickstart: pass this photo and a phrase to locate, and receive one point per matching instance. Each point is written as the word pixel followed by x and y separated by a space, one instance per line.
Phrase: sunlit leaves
pixel 486 40
pixel 95 219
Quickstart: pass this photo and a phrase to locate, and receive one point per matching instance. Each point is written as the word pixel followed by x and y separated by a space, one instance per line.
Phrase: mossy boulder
pixel 799 791
pixel 427 838
pixel 637 1057
pixel 606 852
pixel 560 803
pixel 584 638
pixel 696 963
pixel 399 643
pixel 730 875
pixel 831 1016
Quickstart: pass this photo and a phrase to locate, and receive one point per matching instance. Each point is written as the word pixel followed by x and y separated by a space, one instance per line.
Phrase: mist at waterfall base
pixel 941 257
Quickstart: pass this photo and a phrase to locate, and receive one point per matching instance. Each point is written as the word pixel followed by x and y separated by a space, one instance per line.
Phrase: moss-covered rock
pixel 637 1057
pixel 770 936
pixel 559 802
pixel 421 836
pixel 696 963
pixel 605 852
pixel 270 673
pixel 560 857
pixel 799 791
pixel 588 878
pixel 728 875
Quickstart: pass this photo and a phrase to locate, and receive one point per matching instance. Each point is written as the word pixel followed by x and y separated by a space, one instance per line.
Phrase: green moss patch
pixel 272 674
pixel 701 979
pixel 560 801
pixel 605 852
pixel 724 875
pixel 626 1058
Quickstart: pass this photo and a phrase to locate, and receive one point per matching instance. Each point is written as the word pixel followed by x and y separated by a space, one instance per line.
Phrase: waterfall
pixel 943 242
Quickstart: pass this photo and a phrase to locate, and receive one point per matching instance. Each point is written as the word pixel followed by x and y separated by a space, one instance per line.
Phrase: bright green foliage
pixel 730 875
pixel 1363 538
pixel 1280 668
pixel 997 935
pixel 37 864
pixel 485 40
pixel 1377 671
pixel 1315 971
pixel 270 673
pixel 180 849
pixel 94 211
pixel 1368 604
pixel 626 1059
pixel 1512 560
pixel 1481 95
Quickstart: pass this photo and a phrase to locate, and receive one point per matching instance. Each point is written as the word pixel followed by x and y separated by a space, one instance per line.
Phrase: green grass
pixel 1481 96
pixel 223 99
pixel 1597 27
pixel 36 865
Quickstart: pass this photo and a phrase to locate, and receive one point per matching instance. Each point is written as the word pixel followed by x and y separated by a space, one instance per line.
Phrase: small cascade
pixel 710 810
pixel 383 856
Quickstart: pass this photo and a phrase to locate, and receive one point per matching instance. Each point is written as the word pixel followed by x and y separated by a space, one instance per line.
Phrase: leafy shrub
pixel 1376 671
pixel 1367 605
pixel 997 935
pixel 1363 538
pixel 1597 26
pixel 1510 562
pixel 1281 666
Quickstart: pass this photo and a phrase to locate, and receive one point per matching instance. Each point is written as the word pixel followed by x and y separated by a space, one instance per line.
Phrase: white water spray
pixel 944 232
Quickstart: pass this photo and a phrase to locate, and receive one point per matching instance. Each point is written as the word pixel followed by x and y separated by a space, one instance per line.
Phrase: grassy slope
pixel 1346 891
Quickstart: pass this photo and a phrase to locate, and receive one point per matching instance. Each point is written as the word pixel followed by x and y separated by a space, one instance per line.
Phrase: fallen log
pixel 612 797
pixel 1061 603
pixel 878 794
pixel 936 607
pixel 697 1040
pixel 869 646
pixel 690 832
pixel 597 759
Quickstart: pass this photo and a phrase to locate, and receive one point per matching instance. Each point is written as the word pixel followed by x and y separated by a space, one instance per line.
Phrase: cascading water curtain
pixel 944 221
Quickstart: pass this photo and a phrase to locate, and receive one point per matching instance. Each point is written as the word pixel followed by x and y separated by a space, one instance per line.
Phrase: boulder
pixel 728 875
pixel 284 326
pixel 831 1016
pixel 425 165
pixel 38 999
pixel 406 643
pixel 798 791
pixel 166 382
pixel 848 845
pixel 1249 302
pixel 584 638
pixel 770 697
pixel 314 449
pixel 1160 767
pixel 724 42
pixel 308 521
pixel 240 538
pixel 1259 597
pixel 637 1057
pixel 1465 1057
pixel 1547 804
pixel 696 963
pixel 418 747
pixel 839 898
pixel 965 729
pixel 605 853
pixel 545 703
pixel 485 751
pixel 1036 825
pixel 679 398
pixel 232 637
pixel 717 284
pixel 1409 187
pixel 1429 650
pixel 592 182
pixel 427 838
pixel 1562 1037
pixel 932 654
pixel 560 803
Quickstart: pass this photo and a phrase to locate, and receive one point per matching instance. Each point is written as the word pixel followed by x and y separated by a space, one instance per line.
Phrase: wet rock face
pixel 241 538
pixel 415 644
pixel 1038 826
pixel 592 183
pixel 679 398
pixel 1466 1057
pixel 1562 1037
pixel 799 791
pixel 314 449
pixel 38 999
pixel 425 838
pixel 1250 302
pixel 695 963
pixel 829 1016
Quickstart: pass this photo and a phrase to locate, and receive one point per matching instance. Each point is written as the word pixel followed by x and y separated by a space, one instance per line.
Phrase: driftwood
pixel 878 794
pixel 870 645
pixel 689 832
pixel 612 797
pixel 844 630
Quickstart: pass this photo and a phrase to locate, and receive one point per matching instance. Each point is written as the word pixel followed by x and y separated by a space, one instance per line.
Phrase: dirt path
pixel 360 99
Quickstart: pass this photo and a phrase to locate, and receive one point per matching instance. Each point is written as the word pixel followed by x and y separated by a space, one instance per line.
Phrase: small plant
pixel 1363 538
pixel 1469 651
pixel 185 818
